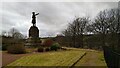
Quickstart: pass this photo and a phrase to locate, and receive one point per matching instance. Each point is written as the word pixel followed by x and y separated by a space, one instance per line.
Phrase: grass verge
pixel 61 58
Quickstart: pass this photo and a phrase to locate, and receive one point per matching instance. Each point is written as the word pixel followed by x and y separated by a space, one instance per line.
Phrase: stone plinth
pixel 34 32
pixel 33 40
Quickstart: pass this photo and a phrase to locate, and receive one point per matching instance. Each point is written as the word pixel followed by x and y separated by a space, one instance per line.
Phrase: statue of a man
pixel 34 18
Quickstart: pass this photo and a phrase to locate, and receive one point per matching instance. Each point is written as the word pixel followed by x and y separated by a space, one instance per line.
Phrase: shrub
pixel 58 46
pixel 48 42
pixel 55 46
pixel 16 49
pixel 40 49
pixel 47 49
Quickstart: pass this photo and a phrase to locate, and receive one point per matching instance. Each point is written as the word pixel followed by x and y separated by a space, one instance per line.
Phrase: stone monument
pixel 33 39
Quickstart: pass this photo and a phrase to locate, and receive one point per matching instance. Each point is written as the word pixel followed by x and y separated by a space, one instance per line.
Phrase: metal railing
pixel 112 58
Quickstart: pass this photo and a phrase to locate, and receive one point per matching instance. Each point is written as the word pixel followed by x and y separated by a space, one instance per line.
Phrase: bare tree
pixel 114 29
pixel 106 22
pixel 16 34
pixel 76 30
pixel 4 33
pixel 69 35
pixel 100 25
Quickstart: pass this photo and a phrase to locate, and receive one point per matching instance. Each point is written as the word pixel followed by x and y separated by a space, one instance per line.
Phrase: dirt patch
pixel 9 58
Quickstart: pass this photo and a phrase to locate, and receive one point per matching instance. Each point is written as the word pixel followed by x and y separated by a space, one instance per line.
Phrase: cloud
pixel 60 0
pixel 53 16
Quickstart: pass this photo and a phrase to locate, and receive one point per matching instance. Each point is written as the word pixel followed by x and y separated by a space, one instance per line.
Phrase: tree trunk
pixel 81 41
pixel 103 39
pixel 118 42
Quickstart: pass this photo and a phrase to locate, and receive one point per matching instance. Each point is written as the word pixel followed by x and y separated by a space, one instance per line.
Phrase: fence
pixel 112 58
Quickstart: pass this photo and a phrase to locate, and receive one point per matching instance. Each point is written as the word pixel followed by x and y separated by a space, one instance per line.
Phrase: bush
pixel 16 49
pixel 48 42
pixel 40 49
pixel 47 49
pixel 55 46
pixel 58 45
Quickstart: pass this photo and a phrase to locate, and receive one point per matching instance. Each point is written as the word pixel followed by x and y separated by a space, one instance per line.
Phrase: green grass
pixel 59 58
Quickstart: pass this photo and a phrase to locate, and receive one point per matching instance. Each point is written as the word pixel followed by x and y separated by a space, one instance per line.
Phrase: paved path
pixel 92 58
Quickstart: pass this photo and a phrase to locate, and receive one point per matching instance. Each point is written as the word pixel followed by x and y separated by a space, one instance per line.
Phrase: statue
pixel 33 39
pixel 34 18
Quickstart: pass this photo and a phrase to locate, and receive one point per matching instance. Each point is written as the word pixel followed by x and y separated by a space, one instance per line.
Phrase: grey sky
pixel 53 16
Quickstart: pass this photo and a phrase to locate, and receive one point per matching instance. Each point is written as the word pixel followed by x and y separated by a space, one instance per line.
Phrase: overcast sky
pixel 53 16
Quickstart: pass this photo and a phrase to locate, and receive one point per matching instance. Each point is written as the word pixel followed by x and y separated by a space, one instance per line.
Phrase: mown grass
pixel 60 58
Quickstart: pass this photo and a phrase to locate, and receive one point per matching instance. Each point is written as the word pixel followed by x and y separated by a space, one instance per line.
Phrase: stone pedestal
pixel 34 32
pixel 33 39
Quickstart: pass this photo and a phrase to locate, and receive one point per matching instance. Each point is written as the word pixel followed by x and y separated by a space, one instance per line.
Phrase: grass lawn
pixel 59 58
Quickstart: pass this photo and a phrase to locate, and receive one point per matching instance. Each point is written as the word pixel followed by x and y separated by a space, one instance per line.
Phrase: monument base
pixel 33 42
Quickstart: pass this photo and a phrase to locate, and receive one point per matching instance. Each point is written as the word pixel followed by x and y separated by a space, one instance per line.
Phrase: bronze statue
pixel 34 18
